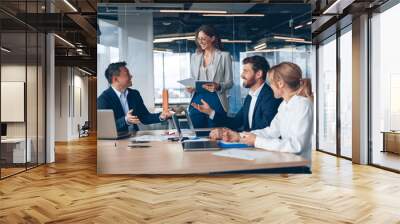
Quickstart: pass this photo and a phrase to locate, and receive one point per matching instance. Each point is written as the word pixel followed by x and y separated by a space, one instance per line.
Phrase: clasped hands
pixel 229 135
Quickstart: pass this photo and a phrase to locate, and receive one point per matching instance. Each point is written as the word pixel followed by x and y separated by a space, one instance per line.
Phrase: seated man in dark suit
pixel 127 104
pixel 260 105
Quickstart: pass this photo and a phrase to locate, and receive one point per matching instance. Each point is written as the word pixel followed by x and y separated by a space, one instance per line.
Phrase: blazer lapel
pixel 259 98
pixel 131 101
pixel 246 107
pixel 115 101
pixel 197 64
pixel 217 59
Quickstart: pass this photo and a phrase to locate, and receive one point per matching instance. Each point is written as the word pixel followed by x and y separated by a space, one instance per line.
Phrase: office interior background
pixel 48 82
pixel 49 75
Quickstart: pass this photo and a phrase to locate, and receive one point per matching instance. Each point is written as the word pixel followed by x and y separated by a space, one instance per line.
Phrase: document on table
pixel 241 154
pixel 149 138
pixel 189 82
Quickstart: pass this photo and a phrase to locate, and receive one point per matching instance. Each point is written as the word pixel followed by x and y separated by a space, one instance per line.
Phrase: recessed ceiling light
pixel 65 41
pixel 5 50
pixel 236 15
pixel 190 11
pixel 70 5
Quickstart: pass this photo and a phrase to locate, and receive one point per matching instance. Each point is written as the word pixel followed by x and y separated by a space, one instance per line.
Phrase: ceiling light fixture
pixel 298 27
pixel 5 49
pixel 70 5
pixel 171 39
pixel 84 71
pixel 274 50
pixel 309 23
pixel 65 41
pixel 190 11
pixel 300 41
pixel 237 15
pixel 260 46
pixel 333 6
pixel 165 51
pixel 288 38
pixel 235 41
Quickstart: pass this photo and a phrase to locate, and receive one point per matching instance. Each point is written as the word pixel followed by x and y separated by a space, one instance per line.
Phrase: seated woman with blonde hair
pixel 291 129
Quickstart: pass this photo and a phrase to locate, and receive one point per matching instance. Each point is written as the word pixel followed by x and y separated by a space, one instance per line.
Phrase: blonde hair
pixel 291 75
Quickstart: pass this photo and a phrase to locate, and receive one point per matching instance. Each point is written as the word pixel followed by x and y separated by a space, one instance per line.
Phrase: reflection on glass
pixel 13 86
pixel 41 99
pixel 385 86
pixel 158 43
pixel 327 96
pixel 31 101
pixel 346 94
pixel 175 66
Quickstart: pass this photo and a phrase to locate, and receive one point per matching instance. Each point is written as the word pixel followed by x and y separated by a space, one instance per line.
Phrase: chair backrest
pixel 86 125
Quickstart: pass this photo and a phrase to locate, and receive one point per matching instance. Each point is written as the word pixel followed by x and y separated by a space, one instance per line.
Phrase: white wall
pixel 71 94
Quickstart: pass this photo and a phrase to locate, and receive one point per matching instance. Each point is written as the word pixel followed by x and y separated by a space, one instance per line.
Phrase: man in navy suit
pixel 260 105
pixel 127 104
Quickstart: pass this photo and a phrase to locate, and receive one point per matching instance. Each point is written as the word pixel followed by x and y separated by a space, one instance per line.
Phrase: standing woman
pixel 210 63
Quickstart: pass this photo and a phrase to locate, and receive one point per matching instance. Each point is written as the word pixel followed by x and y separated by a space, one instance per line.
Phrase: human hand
pixel 248 138
pixel 211 87
pixel 131 119
pixel 204 107
pixel 216 133
pixel 230 136
pixel 166 115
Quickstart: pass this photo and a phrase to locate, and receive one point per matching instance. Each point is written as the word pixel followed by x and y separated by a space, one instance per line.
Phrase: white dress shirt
pixel 254 96
pixel 123 98
pixel 290 130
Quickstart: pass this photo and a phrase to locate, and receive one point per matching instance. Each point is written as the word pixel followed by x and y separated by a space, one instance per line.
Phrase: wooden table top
pixel 115 157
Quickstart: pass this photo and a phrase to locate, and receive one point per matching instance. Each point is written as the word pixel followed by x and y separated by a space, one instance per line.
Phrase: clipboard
pixel 199 86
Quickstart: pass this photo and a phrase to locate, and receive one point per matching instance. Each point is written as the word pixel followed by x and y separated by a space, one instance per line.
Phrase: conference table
pixel 166 157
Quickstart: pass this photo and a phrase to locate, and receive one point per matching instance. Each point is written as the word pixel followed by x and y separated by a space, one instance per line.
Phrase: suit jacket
pixel 109 100
pixel 221 74
pixel 264 111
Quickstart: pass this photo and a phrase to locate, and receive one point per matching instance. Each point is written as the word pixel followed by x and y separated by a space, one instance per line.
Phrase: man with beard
pixel 260 105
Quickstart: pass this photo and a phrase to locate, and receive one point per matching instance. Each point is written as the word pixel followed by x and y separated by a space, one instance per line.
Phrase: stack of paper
pixel 150 138
pixel 190 82
pixel 241 154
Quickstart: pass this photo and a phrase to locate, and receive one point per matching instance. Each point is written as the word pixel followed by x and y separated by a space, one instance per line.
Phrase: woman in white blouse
pixel 291 129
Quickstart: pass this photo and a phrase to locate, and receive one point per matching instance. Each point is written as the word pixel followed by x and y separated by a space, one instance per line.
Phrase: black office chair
pixel 84 130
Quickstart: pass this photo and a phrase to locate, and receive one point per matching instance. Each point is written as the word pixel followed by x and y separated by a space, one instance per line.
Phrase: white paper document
pixel 241 154
pixel 150 138
pixel 189 82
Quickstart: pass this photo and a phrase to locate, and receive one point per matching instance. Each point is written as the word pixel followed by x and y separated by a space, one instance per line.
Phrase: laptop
pixel 194 145
pixel 106 128
pixel 203 132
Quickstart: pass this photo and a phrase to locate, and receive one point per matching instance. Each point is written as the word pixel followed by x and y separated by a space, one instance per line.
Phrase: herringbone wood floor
pixel 69 191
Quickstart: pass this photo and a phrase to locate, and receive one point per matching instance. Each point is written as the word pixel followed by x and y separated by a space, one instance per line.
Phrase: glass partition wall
pixel 22 77
pixel 327 96
pixel 165 40
pixel 385 90
pixel 334 94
